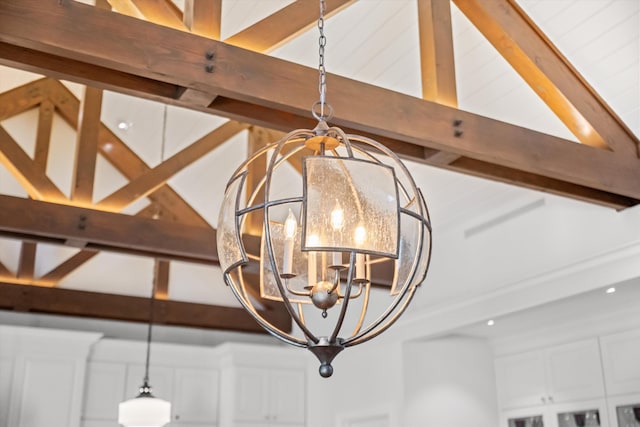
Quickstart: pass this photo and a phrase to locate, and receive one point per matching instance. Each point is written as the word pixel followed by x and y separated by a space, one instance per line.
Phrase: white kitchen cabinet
pixel 104 390
pixel 620 356
pixel 47 372
pixel 264 390
pixel 185 376
pixel 552 375
pixel 195 396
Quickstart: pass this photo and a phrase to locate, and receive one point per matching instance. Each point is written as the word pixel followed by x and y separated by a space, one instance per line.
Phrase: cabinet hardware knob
pixel 544 400
pixel 551 399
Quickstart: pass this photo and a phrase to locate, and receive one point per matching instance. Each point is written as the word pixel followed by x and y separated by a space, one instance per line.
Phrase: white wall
pixel 449 382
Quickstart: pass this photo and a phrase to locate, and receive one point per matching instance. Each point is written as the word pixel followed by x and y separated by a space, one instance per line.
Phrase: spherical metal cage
pixel 356 234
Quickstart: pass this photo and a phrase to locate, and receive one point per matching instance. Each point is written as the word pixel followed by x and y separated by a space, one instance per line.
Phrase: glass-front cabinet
pixel 624 411
pixel 579 414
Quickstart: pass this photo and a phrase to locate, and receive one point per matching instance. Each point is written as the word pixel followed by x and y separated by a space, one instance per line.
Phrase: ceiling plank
pixel 38 299
pixel 26 172
pixel 126 161
pixel 146 183
pixel 203 17
pixel 436 52
pixel 161 12
pixel 516 37
pixel 43 134
pixel 48 222
pixel 23 98
pixel 273 89
pixel 284 25
pixel 161 279
pixel 27 261
pixel 87 147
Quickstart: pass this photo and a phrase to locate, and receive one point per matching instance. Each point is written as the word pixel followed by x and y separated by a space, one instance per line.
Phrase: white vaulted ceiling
pixel 490 239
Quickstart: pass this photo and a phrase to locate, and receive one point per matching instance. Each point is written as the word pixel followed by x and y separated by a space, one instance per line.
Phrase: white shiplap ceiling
pixel 375 41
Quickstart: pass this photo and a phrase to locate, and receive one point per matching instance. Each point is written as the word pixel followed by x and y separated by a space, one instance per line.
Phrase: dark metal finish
pixel 326 351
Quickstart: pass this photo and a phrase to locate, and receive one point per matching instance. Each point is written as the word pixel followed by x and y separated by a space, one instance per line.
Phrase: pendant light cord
pixel 149 329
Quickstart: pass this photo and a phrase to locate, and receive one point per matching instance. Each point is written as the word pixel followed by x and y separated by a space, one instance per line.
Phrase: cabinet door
pixel 195 396
pixel 574 372
pixel 160 379
pixel 251 395
pixel 287 390
pixel 590 412
pixel 104 390
pixel 530 417
pixel 520 380
pixel 620 356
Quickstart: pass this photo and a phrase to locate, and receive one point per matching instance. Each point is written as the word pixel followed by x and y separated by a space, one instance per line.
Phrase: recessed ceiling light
pixel 611 290
pixel 124 125
pixel 490 322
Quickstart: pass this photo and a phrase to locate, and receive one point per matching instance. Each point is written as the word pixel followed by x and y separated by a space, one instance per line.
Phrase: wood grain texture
pixel 266 85
pixel 437 63
pixel 87 147
pixel 43 134
pixel 515 36
pixel 203 17
pixel 54 223
pixel 68 302
pixel 27 261
pixel 23 98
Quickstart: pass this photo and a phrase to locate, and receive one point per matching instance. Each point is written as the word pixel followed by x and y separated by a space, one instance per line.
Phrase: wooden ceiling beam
pixel 516 37
pixel 147 182
pixel 161 12
pixel 161 279
pixel 437 63
pixel 26 172
pixel 203 17
pixel 45 300
pixel 5 272
pixel 271 87
pixel 284 25
pixel 48 222
pixel 23 98
pixel 43 134
pixel 27 261
pixel 112 148
pixel 87 147
pixel 62 270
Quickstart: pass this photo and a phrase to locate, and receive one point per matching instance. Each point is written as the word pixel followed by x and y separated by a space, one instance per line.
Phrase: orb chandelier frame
pixel 357 222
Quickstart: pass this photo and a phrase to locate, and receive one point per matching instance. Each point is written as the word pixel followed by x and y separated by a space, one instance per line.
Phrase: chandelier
pixel 344 247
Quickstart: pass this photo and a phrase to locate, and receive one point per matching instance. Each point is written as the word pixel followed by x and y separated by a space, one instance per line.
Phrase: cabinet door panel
pixel 521 380
pixel 6 372
pixel 37 405
pixel 104 390
pixel 287 390
pixel 195 396
pixel 251 395
pixel 160 379
pixel 620 355
pixel 575 371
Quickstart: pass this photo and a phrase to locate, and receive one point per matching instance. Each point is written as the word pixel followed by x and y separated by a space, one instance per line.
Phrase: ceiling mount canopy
pixel 356 215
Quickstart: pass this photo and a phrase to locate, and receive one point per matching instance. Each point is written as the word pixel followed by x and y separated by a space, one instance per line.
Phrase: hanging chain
pixel 322 75
pixel 325 109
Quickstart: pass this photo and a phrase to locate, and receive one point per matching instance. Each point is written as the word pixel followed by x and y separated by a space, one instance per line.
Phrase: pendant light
pixel 146 410
pixel 343 248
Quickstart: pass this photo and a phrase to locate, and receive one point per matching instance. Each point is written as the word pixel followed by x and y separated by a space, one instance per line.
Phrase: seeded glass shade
pixel 144 411
pixel 336 231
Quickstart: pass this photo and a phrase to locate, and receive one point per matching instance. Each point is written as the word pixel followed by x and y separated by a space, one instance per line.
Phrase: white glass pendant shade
pixel 344 244
pixel 144 411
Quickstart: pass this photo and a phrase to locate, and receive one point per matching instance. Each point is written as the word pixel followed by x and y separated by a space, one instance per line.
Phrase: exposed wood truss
pixel 92 230
pixel 47 36
pixel 178 58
